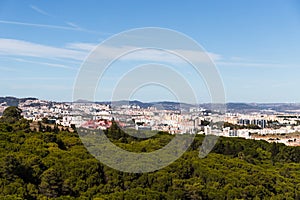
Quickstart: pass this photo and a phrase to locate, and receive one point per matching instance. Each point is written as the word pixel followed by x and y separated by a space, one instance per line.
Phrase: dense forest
pixel 52 164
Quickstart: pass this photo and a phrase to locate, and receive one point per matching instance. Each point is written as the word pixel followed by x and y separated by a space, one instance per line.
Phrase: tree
pixel 11 114
pixel 10 167
pixel 51 183
pixel 58 166
pixel 274 149
pixel 45 120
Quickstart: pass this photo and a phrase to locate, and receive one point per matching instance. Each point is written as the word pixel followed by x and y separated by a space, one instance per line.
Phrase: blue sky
pixel 255 44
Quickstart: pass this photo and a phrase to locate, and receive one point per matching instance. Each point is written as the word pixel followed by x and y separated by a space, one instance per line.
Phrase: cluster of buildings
pixel 271 127
pixel 278 127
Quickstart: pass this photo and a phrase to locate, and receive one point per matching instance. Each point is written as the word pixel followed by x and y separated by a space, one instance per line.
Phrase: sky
pixel 255 45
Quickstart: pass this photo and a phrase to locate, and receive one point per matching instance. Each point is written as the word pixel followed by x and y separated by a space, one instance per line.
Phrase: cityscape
pixel 150 100
pixel 270 125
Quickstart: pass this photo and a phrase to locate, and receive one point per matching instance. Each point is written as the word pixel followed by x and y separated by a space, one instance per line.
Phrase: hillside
pixel 13 101
pixel 49 165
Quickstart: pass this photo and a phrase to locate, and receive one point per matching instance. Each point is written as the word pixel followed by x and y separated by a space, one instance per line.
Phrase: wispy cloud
pixel 13 47
pixel 71 24
pixel 37 9
pixel 40 86
pixel 145 54
pixel 237 61
pixel 38 25
pixel 249 64
pixel 242 62
pixel 132 53
pixel 36 78
pixel 81 46
pixel 74 27
pixel 55 65
pixel 78 51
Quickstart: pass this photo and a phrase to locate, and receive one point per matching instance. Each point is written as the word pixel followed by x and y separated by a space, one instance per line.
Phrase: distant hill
pixel 13 101
pixel 240 106
pixel 169 105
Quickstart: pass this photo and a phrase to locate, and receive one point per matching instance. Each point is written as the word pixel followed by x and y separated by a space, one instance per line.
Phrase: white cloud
pixel 36 78
pixel 249 64
pixel 131 53
pixel 81 46
pixel 39 25
pixel 23 48
pixel 200 56
pixel 40 86
pixel 71 24
pixel 237 61
pixel 35 8
pixel 55 65
pixel 79 51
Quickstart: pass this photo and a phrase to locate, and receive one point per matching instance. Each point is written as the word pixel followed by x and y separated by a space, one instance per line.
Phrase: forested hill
pixel 13 101
pixel 55 165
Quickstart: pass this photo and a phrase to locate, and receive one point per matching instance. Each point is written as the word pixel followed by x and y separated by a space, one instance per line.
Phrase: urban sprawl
pixel 273 127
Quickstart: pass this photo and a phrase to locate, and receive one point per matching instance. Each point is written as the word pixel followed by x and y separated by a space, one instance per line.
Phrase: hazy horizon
pixel 53 100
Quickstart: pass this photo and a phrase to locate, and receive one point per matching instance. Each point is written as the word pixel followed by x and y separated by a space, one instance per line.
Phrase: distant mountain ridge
pixel 230 107
pixel 14 101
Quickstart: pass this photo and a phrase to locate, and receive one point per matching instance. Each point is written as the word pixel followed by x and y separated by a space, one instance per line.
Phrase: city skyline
pixel 253 44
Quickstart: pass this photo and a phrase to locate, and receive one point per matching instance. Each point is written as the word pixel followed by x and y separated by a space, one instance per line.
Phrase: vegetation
pixel 12 120
pixel 55 165
pixel 236 126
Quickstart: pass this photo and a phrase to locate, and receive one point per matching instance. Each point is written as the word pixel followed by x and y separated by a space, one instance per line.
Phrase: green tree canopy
pixel 54 165
pixel 11 114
